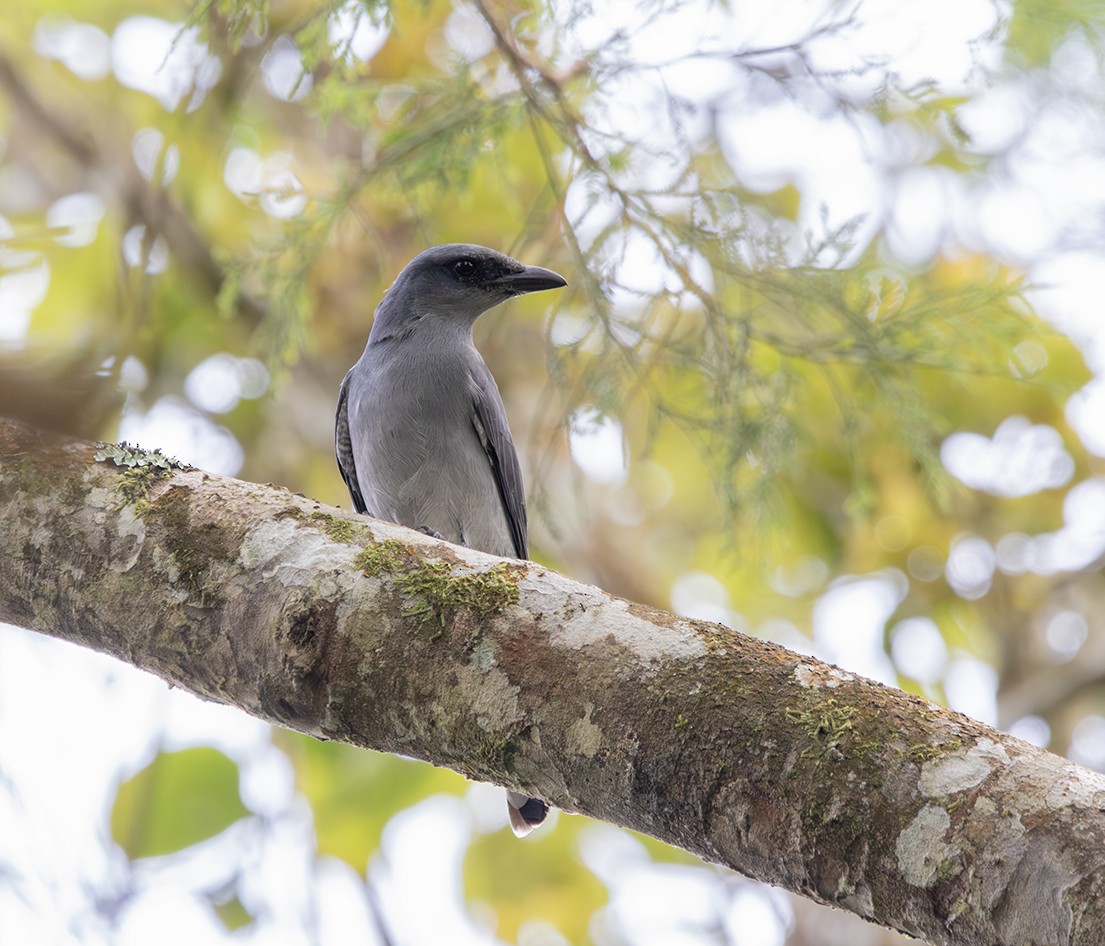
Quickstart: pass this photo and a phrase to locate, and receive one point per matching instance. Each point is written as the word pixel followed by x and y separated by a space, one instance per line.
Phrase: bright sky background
pixel 64 768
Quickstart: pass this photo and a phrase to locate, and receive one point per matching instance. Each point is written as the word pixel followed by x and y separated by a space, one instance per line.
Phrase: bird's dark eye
pixel 464 267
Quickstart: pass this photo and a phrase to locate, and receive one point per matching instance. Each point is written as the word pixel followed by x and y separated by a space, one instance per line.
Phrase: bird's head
pixel 455 284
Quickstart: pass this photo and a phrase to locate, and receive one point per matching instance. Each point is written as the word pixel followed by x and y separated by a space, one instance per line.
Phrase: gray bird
pixel 421 435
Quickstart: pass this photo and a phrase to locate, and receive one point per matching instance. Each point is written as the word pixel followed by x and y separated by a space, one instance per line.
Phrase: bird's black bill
pixel 531 279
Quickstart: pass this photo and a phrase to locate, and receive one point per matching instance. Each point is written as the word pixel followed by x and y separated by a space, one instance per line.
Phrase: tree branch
pixel 786 769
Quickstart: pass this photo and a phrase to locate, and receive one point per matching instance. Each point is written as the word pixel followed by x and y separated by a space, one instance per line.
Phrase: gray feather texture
pixel 421 435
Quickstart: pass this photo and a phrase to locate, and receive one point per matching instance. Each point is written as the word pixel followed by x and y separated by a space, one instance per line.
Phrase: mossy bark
pixel 749 755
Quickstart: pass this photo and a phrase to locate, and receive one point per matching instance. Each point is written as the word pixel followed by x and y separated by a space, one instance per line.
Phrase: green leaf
pixel 355 792
pixel 232 913
pixel 541 877
pixel 179 799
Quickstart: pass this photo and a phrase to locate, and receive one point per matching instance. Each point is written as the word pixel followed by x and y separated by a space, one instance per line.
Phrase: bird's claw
pixel 432 533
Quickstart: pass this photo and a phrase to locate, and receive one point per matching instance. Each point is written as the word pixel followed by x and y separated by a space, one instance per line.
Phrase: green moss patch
pixel 436 591
pixel 338 529
pixel 383 558
pixel 826 723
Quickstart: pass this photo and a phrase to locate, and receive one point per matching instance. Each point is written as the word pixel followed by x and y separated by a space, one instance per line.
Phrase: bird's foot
pixel 432 533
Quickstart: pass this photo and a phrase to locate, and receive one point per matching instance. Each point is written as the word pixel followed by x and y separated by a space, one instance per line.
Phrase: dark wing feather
pixel 343 448
pixel 489 420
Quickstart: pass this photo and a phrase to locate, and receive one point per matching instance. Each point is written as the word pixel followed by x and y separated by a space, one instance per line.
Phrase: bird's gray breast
pixel 418 456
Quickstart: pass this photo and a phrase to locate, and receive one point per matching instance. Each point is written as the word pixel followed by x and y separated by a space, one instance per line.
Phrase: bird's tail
pixel 525 813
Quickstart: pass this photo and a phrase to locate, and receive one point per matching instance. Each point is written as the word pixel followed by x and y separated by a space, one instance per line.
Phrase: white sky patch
pixel 661 904
pixel 1087 745
pixel 849 622
pixel 1013 552
pixel 1065 634
pixel 354 33
pixel 1078 543
pixel 770 147
pixel 423 848
pixel 184 433
pixel 186 721
pixel 280 892
pixel 574 327
pixel 920 213
pixel 133 376
pixel 780 137
pixel 152 256
pixel 163 59
pixel 271 181
pixel 485 803
pixel 1086 414
pixel 995 117
pixel 24 280
pixel 54 841
pixel 701 595
pixel 610 853
pixel 639 270
pixel 655 39
pixel 1066 290
pixel 343 911
pixel 701 79
pixel 1018 223
pixel 468 33
pixel 80 214
pixel 58 848
pixel 152 158
pixel 970 566
pixel 213 385
pixel 1033 729
pixel 598 447
pixel 758 916
pixel 589 207
pixel 918 649
pixel 244 171
pixel 971 687
pixel 1022 458
pixel 283 71
pixel 800 577
pixel 83 49
pixel 283 195
pixel 937 40
pixel 665 904
pixel 640 273
pixel 145 919
pixel 267 783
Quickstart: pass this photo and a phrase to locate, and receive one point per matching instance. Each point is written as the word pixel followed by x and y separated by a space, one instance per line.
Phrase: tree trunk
pixel 784 768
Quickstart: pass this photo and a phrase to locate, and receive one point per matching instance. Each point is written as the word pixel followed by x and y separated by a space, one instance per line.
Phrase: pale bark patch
pixel 292 553
pixel 814 678
pixel 585 737
pixel 611 620
pixel 957 772
pixel 921 848
pixel 490 696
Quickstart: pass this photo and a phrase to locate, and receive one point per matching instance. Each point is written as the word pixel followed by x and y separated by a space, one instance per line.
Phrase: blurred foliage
pixel 250 175
pixel 179 799
pixel 546 880
pixel 354 794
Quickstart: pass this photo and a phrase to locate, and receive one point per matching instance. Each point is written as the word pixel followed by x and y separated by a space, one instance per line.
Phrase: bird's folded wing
pixel 489 419
pixel 343 448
